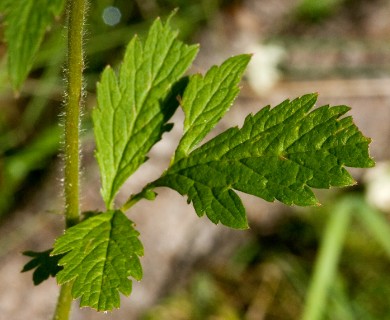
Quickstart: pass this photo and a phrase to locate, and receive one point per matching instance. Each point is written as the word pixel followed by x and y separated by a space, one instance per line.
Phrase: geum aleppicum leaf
pixel 44 264
pixel 101 253
pixel 206 99
pixel 26 22
pixel 279 153
pixel 134 107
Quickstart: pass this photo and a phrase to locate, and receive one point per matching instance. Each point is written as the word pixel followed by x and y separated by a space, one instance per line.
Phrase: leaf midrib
pixel 133 123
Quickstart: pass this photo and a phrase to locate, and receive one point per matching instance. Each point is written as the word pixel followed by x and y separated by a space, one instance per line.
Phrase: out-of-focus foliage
pixel 269 277
pixel 315 11
pixel 25 26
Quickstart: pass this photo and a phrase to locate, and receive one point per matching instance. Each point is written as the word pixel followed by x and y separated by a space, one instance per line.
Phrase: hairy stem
pixel 72 110
pixel 74 100
pixel 64 303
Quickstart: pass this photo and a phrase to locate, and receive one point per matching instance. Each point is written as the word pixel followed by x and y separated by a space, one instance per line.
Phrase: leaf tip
pixel 174 12
pixel 244 226
pixel 371 163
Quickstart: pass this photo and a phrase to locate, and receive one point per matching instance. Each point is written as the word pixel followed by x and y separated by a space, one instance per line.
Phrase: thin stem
pixel 64 303
pixel 326 263
pixel 72 112
pixel 146 193
pixel 133 199
pixel 75 16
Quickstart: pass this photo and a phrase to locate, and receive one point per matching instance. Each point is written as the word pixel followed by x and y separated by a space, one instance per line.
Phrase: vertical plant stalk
pixel 64 302
pixel 326 263
pixel 72 110
pixel 73 103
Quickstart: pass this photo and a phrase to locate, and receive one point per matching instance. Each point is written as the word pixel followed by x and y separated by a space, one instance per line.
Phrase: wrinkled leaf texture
pixel 279 153
pixel 135 105
pixel 100 254
pixel 206 100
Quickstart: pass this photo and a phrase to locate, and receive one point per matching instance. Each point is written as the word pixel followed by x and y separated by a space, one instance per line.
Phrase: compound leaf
pixel 279 153
pixel 134 106
pixel 44 265
pixel 100 254
pixel 26 23
pixel 206 99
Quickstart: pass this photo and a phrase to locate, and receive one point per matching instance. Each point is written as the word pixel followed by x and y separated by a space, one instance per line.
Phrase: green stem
pixel 327 261
pixel 72 110
pixel 75 16
pixel 146 193
pixel 133 199
pixel 64 302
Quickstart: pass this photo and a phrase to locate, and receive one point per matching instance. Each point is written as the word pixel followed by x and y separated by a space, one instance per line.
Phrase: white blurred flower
pixel 262 72
pixel 378 186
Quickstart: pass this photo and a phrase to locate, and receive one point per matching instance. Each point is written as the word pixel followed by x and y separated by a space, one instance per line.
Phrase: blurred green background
pixel 317 263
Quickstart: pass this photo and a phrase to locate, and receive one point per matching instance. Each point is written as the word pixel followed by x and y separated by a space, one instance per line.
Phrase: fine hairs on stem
pixel 71 120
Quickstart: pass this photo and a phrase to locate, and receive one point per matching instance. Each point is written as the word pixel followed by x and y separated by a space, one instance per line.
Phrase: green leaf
pixel 100 254
pixel 206 99
pixel 135 105
pixel 279 153
pixel 44 265
pixel 26 22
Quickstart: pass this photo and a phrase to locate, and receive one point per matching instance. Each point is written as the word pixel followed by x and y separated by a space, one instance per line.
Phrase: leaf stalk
pixel 146 193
